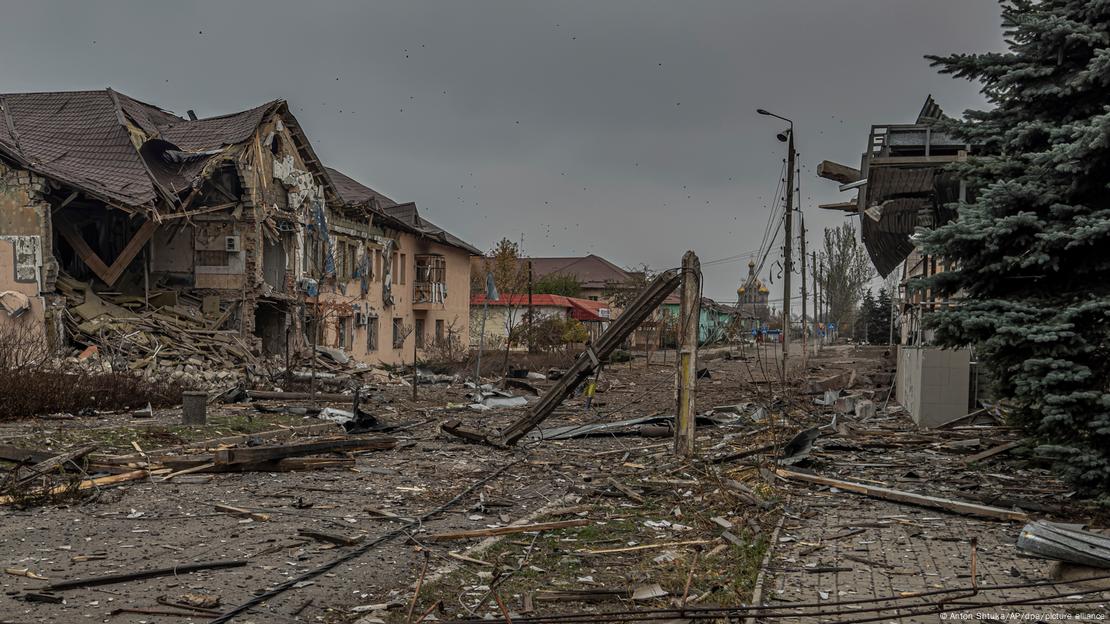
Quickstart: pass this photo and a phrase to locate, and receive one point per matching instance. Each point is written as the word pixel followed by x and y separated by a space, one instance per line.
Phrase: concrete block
pixel 847 404
pixel 865 409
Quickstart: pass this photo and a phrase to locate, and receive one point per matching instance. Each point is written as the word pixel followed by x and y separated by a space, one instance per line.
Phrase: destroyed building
pixel 903 185
pixel 124 225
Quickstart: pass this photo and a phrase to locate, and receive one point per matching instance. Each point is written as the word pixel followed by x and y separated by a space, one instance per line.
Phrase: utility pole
pixel 788 225
pixel 805 321
pixel 687 361
pixel 530 308
pixel 816 310
pixel 788 263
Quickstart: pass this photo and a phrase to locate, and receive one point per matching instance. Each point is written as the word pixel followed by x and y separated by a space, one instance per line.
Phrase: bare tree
pixel 511 277
pixel 621 294
pixel 847 272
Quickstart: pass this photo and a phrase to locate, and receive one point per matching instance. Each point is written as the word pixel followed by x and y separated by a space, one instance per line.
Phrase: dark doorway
pixel 269 325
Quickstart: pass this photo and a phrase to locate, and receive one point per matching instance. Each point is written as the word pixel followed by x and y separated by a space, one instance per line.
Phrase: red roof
pixel 581 309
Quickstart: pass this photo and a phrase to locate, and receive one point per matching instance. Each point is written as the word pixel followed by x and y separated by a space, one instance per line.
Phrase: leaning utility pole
pixel 805 321
pixel 788 264
pixel 687 361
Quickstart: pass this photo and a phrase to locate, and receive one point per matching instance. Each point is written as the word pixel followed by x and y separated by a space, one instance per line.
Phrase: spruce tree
pixel 878 326
pixel 1033 245
pixel 863 318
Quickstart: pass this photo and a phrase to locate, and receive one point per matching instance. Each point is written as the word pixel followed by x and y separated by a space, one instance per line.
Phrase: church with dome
pixel 752 296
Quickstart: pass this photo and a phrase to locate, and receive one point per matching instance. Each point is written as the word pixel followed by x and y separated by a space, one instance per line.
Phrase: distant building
pixel 595 274
pixel 511 309
pixel 752 297
pixel 714 320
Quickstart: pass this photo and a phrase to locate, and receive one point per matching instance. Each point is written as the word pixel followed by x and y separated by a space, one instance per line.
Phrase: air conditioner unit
pixel 231 243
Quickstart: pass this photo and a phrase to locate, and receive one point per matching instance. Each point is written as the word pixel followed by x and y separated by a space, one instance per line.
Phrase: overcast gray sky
pixel 622 128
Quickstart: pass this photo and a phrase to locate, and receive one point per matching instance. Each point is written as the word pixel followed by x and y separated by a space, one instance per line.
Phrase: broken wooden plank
pixel 455 428
pixel 605 551
pixel 206 463
pixel 462 557
pixel 300 396
pixel 56 462
pixel 991 452
pixel 242 513
pixel 88 484
pixel 124 577
pixel 625 490
pixel 508 530
pixel 257 454
pixel 898 496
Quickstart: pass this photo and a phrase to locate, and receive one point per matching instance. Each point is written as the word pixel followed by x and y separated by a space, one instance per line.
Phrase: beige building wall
pixel 358 342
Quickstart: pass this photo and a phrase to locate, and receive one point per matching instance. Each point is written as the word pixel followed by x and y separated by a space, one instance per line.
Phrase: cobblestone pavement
pixel 835 546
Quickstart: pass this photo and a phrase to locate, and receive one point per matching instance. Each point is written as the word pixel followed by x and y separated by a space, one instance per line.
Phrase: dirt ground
pixel 654 529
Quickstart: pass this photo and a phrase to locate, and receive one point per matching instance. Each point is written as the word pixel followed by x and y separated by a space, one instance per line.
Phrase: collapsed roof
pixel 404 217
pixel 131 154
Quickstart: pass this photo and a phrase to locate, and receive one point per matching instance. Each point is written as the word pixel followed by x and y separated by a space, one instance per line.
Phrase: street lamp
pixel 788 224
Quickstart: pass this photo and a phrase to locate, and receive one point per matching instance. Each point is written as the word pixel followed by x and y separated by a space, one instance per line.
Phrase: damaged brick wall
pixel 29 267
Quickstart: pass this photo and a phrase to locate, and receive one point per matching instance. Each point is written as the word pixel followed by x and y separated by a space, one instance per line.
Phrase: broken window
pixel 398 333
pixel 439 331
pixel 419 333
pixel 430 281
pixel 403 262
pixel 372 334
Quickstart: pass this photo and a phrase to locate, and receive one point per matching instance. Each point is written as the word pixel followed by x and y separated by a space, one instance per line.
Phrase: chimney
pixel 192 115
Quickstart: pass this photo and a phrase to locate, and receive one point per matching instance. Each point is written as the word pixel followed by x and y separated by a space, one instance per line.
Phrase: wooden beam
pixel 257 454
pixel 898 496
pixel 848 206
pixel 89 483
pixel 81 248
pixel 837 172
pixel 56 462
pixel 134 246
pixel 507 530
pixel 107 274
pixel 991 452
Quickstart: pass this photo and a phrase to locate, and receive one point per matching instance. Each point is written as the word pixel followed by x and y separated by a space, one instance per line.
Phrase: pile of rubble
pixel 161 334
pixel 166 335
